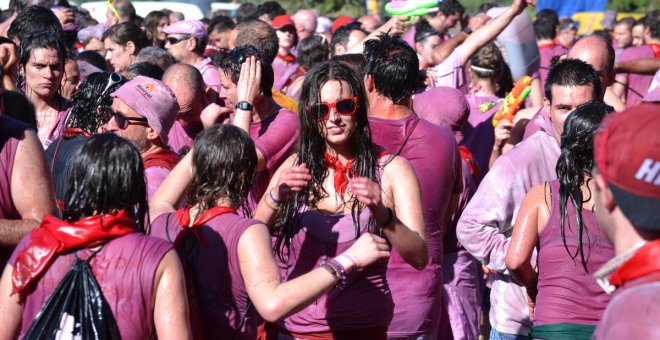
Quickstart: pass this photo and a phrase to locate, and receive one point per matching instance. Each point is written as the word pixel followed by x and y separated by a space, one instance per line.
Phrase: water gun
pixel 513 100
pixel 411 8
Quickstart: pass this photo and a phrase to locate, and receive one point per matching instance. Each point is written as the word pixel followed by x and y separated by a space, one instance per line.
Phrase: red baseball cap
pixel 627 154
pixel 341 21
pixel 281 21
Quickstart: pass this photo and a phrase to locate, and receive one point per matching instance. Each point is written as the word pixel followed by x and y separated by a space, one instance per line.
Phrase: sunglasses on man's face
pixel 176 40
pixel 345 107
pixel 121 120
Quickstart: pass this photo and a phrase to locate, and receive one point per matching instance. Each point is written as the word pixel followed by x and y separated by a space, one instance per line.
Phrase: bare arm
pixel 619 86
pixel 402 194
pixel 170 300
pixel 484 35
pixel 11 311
pixel 395 26
pixel 446 48
pixel 531 218
pixel 170 192
pixel 274 300
pixel 31 191
pixel 287 180
pixel 641 66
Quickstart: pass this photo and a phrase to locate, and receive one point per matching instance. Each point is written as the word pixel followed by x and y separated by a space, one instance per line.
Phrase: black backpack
pixel 76 309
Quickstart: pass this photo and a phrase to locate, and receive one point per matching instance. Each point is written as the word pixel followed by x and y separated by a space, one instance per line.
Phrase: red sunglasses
pixel 345 107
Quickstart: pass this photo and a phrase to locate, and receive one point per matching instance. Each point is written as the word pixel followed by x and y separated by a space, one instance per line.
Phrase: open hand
pixel 249 82
pixel 292 180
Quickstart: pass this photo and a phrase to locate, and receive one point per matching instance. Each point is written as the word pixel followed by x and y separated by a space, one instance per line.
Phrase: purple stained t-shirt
pixel 179 140
pixel 479 133
pixel 638 84
pixel 209 73
pixel 154 176
pixel 274 137
pixel 546 54
pixel 221 295
pixel 433 154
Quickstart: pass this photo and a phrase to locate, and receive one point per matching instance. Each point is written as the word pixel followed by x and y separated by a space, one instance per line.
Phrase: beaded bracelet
pixel 335 268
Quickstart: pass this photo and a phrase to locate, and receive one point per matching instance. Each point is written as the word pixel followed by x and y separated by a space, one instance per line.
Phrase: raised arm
pixel 394 26
pixel 31 190
pixel 274 300
pixel 487 33
pixel 170 192
pixel 398 209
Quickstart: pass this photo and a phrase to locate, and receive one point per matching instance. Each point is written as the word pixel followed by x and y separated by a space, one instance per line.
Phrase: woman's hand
pixel 292 180
pixel 369 192
pixel 366 250
pixel 531 303
pixel 502 133
pixel 249 82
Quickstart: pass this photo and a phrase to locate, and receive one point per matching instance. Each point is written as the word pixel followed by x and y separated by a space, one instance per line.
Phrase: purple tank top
pixel 566 293
pixel 220 292
pixel 125 270
pixel 365 302
pixel 11 131
pixel 479 133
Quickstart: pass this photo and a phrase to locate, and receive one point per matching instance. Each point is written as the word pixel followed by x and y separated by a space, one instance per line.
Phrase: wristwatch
pixel 243 105
pixel 467 30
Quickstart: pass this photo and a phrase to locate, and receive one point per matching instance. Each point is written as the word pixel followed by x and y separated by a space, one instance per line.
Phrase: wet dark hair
pixel 230 63
pixel 260 35
pixel 449 7
pixel 39 40
pixel 574 167
pixel 106 175
pixel 151 22
pixel 572 72
pixel 312 51
pixel 122 33
pixel 341 35
pixel 18 106
pixel 652 22
pixel 545 25
pixel 224 166
pixel 34 19
pixel 354 60
pixel 89 97
pixel 247 11
pixel 394 66
pixel 144 69
pixel 311 147
pixel 93 58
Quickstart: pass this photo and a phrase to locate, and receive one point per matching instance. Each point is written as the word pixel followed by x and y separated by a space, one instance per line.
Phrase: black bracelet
pixel 390 217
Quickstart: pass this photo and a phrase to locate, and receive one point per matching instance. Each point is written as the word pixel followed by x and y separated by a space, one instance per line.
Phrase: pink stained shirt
pixel 221 297
pixel 125 269
pixel 282 71
pixel 154 176
pixel 451 73
pixel 638 84
pixel 180 140
pixel 209 73
pixel 485 226
pixel 433 154
pixel 275 138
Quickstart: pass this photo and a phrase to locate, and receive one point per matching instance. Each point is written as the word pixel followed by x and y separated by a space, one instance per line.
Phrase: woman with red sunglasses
pixel 337 187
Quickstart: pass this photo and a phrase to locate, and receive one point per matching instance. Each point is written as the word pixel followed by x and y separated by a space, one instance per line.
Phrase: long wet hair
pixel 311 147
pixel 106 175
pixel 224 165
pixel 574 167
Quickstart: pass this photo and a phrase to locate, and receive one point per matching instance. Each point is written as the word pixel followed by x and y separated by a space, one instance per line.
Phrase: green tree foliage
pixel 632 5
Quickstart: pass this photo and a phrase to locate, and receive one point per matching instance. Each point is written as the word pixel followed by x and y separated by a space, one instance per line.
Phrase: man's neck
pixel 384 108
pixel 541 42
pixel 152 148
pixel 192 59
pixel 44 104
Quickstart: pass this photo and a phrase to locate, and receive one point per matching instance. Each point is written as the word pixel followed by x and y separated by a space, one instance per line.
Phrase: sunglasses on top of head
pixel 345 107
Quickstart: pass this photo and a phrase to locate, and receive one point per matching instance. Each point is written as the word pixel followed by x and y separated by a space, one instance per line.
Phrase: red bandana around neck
pixel 341 173
pixel 183 216
pixel 163 158
pixel 55 237
pixel 548 45
pixel 645 261
pixel 289 58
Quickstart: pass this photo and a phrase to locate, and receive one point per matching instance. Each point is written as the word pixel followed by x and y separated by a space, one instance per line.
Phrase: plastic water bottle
pixel 518 44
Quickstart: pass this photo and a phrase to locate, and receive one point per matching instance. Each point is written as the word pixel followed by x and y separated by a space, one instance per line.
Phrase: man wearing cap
pixel 186 42
pixel 143 111
pixel 286 63
pixel 627 208
pixel 486 224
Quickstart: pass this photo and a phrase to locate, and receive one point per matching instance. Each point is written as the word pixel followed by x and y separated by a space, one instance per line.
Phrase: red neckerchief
pixel 548 45
pixel 183 216
pixel 163 158
pixel 655 48
pixel 341 172
pixel 468 157
pixel 289 58
pixel 75 132
pixel 55 237
pixel 646 261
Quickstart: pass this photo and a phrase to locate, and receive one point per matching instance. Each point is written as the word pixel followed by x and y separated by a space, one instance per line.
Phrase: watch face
pixel 243 105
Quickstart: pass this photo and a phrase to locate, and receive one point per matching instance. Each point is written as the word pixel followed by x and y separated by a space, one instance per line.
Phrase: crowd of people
pixel 276 176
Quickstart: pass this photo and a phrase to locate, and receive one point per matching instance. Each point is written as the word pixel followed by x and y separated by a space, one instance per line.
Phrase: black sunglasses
pixel 174 40
pixel 237 56
pixel 121 120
